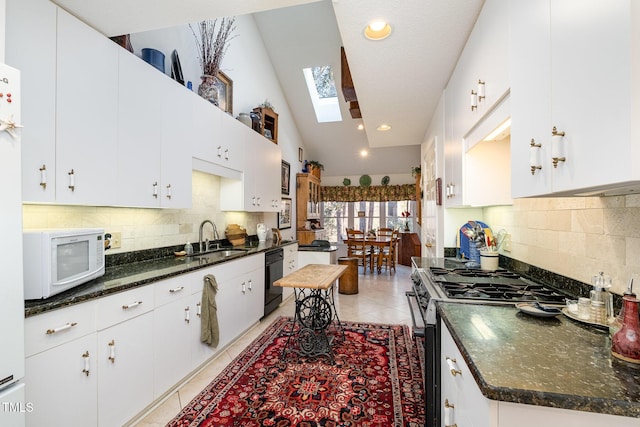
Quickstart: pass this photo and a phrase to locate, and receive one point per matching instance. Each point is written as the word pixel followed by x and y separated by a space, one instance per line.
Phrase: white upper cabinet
pixel 220 138
pixel 86 114
pixel 259 188
pixel 176 149
pixel 139 132
pixel 31 48
pixel 476 102
pixel 572 69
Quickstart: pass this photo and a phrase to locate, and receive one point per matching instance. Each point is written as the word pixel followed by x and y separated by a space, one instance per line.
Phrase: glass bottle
pixel 625 344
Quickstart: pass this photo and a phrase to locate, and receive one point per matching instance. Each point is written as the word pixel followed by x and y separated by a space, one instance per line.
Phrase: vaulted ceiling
pixel 398 81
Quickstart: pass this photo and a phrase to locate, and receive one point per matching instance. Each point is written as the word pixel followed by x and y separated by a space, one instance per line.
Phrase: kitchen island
pixel 525 367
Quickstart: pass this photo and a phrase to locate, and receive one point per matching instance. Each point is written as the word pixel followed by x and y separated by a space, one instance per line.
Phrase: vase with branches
pixel 212 41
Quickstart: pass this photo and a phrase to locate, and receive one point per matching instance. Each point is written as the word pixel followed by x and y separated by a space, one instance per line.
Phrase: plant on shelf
pixel 315 168
pixel 415 171
pixel 267 104
pixel 212 42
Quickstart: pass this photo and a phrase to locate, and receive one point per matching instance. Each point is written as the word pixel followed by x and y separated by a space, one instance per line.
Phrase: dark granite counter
pixel 138 272
pixel 552 362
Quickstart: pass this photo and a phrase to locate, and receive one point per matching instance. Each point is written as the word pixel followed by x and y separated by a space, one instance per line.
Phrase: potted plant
pixel 315 168
pixel 415 171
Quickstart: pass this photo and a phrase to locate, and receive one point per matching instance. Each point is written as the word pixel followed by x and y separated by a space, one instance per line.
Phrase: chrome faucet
pixel 205 247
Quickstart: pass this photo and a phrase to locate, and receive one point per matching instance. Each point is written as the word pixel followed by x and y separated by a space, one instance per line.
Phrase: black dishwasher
pixel 272 272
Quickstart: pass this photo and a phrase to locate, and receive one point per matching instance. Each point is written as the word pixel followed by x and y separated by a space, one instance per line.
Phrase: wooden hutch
pixel 308 208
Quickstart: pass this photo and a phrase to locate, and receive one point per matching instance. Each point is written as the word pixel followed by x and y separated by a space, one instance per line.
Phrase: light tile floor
pixel 380 299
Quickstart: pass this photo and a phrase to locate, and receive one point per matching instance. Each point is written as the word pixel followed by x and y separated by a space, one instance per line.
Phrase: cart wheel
pixel 314 312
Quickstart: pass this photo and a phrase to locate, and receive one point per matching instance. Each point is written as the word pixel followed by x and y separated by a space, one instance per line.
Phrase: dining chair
pixel 387 256
pixel 357 248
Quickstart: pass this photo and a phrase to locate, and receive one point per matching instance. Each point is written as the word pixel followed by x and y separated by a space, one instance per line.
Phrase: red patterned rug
pixel 376 381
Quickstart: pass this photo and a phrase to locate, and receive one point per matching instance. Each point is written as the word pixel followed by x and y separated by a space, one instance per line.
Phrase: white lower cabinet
pixel 60 367
pixel 102 362
pixel 171 331
pixel 124 322
pixel 61 383
pixel 125 371
pixel 467 406
pixel 462 402
pixel 289 265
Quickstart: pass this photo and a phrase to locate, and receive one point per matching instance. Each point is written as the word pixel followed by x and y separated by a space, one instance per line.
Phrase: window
pixel 322 90
pixel 365 216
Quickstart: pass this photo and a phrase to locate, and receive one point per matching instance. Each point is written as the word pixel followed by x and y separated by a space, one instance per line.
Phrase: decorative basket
pixel 235 234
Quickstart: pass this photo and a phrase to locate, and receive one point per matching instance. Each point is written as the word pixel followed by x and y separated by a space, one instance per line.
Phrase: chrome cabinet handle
pixel 176 289
pixel 187 315
pixel 72 180
pixel 168 196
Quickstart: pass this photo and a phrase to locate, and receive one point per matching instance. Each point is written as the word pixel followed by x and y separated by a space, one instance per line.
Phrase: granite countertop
pixel 552 362
pixel 130 275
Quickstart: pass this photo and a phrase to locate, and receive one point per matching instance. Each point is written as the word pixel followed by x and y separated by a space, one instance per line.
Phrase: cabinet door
pixel 139 125
pixel 200 352
pixel 31 48
pixel 530 99
pixel 61 383
pixel 86 114
pixel 176 148
pixel 590 97
pixel 228 142
pixel 171 331
pixel 125 370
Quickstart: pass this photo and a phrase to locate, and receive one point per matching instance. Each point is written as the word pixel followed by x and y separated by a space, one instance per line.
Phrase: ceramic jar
pixel 625 344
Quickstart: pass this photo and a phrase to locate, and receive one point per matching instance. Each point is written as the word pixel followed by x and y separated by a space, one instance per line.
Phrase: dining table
pixel 379 242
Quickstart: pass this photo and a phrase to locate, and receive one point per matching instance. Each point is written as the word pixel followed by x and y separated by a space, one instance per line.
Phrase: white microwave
pixel 57 260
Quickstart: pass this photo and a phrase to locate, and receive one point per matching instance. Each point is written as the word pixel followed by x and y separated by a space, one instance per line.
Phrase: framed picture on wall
pixel 286 177
pixel 284 216
pixel 225 92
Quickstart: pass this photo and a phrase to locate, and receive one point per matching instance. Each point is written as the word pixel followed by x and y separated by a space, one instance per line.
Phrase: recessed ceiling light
pixel 364 153
pixel 360 126
pixel 377 30
pixel 383 128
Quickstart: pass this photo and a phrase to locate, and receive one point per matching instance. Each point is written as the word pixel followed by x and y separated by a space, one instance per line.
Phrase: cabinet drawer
pixel 175 288
pixel 229 270
pixel 123 306
pixel 290 250
pixel 57 327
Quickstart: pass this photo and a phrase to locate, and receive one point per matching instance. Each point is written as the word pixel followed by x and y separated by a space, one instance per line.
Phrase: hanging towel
pixel 209 332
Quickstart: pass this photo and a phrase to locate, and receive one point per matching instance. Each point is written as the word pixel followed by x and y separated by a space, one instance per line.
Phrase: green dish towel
pixel 209 332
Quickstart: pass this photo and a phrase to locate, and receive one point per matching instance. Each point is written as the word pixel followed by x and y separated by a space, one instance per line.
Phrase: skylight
pixel 322 90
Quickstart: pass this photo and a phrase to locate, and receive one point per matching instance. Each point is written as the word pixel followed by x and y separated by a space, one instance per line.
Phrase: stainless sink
pixel 221 253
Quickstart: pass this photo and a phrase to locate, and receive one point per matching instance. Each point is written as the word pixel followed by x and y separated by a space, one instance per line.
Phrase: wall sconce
pixel 474 100
pixel 556 147
pixel 534 150
pixel 480 90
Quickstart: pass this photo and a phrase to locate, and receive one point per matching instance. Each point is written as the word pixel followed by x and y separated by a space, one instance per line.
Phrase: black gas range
pixel 449 280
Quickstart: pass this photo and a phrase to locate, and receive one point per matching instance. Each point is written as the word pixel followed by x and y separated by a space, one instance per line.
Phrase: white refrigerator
pixel 13 406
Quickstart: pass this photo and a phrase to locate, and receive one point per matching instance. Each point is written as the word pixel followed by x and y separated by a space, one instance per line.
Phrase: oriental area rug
pixel 376 381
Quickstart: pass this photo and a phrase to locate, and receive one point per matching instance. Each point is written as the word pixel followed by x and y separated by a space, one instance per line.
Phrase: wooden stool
pixel 348 282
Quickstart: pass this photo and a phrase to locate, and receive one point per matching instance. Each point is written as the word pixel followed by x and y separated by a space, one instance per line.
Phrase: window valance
pixel 374 193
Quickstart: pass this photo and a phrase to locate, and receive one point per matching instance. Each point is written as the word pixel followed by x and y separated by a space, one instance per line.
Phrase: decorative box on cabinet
pixel 268 123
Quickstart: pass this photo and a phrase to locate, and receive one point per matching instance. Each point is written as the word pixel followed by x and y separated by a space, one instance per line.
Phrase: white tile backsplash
pixel 576 237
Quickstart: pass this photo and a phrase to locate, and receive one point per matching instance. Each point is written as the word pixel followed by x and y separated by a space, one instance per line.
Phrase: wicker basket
pixel 236 235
